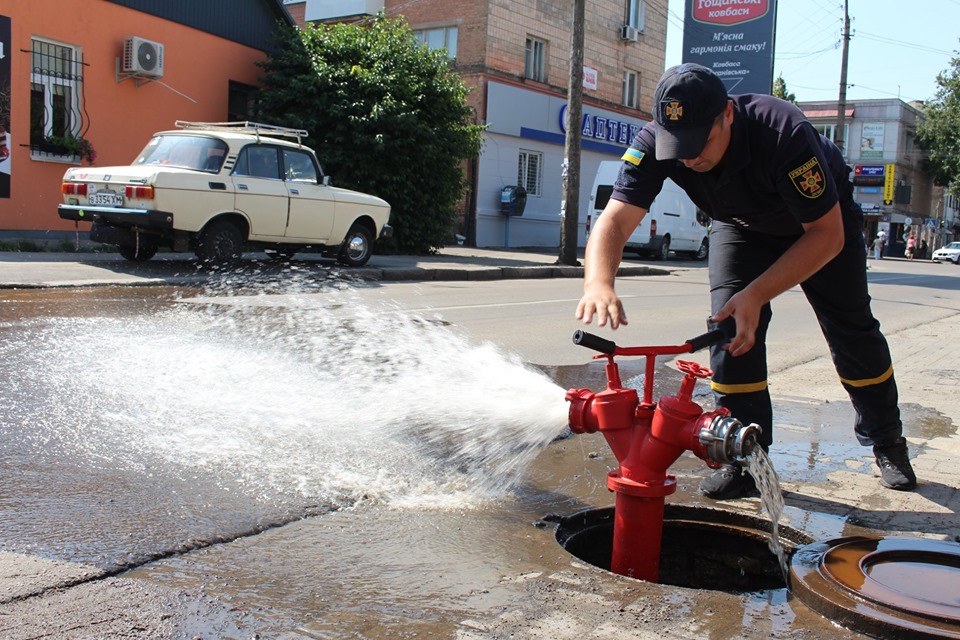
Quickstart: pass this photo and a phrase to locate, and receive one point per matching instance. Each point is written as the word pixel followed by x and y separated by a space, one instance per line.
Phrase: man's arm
pixel 821 241
pixel 603 255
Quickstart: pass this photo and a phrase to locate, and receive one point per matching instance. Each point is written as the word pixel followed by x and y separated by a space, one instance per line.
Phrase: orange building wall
pixel 122 116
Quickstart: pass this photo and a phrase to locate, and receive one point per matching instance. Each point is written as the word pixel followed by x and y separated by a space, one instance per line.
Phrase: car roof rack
pixel 256 128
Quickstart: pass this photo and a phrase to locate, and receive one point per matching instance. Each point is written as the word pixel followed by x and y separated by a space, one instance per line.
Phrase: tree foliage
pixel 939 132
pixel 780 90
pixel 386 116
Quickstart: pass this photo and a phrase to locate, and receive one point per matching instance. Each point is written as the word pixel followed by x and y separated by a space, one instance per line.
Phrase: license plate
pixel 105 199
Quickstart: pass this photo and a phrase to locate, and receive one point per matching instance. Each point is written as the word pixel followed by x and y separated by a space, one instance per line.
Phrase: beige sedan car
pixel 218 188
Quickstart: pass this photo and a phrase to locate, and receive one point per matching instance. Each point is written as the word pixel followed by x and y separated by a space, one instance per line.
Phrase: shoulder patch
pixel 632 156
pixel 808 178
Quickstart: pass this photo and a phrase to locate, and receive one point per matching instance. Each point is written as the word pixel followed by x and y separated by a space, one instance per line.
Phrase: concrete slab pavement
pixel 31 270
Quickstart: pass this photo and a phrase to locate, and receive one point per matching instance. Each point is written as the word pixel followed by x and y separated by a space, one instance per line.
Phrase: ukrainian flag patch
pixel 632 156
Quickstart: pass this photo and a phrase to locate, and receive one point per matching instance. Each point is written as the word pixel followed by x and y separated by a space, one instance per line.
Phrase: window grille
pixel 529 171
pixel 56 92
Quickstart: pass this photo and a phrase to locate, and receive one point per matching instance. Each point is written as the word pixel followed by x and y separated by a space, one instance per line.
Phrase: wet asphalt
pixel 475 584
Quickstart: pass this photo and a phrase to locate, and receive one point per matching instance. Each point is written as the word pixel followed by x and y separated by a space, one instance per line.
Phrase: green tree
pixel 386 116
pixel 780 90
pixel 939 131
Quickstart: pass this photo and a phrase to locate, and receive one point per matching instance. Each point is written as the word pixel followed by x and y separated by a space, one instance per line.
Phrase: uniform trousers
pixel 839 297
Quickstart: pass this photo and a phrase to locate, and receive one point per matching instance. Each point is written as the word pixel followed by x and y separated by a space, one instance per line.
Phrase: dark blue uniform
pixel 778 173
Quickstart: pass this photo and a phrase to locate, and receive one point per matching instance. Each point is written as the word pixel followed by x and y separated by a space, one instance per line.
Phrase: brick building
pixel 514 54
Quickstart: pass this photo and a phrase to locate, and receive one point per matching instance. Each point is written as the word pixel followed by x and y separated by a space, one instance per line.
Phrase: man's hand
pixel 603 302
pixel 745 309
pixel 821 241
pixel 603 254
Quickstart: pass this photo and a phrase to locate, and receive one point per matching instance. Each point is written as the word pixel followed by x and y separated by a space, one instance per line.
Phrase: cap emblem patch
pixel 672 110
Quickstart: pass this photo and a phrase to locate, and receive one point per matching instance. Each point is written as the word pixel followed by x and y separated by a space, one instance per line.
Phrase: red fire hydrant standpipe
pixel 646 439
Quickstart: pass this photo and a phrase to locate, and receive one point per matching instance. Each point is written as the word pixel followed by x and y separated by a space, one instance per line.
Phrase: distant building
pixel 880 135
pixel 515 57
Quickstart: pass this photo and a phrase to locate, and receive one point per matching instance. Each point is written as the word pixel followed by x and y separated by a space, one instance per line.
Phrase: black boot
pixel 895 469
pixel 728 482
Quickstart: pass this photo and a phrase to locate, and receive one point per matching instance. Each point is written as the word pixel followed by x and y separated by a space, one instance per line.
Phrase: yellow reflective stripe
pixel 869 381
pixel 749 387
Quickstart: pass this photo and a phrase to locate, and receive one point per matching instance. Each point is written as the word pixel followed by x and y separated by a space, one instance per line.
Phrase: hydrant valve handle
pixel 717 336
pixel 590 341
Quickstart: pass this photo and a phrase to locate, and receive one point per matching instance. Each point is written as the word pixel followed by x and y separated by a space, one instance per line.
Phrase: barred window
pixel 56 91
pixel 529 171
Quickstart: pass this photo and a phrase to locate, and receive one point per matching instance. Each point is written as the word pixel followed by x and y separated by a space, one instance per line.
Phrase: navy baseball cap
pixel 688 99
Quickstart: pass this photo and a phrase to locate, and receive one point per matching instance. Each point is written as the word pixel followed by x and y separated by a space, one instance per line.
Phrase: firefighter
pixel 783 215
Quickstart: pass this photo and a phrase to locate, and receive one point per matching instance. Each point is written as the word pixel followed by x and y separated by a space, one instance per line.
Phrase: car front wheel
pixel 220 243
pixel 357 247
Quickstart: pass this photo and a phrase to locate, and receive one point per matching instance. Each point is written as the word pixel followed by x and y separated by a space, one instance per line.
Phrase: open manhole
pixel 702 548
pixel 885 587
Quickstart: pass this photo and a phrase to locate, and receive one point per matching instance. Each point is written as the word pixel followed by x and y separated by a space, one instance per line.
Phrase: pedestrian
pixel 922 253
pixel 877 246
pixel 783 215
pixel 883 242
pixel 911 246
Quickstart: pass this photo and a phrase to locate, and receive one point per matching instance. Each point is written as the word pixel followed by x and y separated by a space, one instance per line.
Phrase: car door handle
pixel 294 192
pixel 242 187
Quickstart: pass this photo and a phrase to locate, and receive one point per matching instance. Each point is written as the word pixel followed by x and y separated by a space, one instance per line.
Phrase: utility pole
pixel 570 207
pixel 842 102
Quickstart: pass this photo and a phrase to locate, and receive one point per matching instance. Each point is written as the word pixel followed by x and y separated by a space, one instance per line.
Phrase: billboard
pixel 734 39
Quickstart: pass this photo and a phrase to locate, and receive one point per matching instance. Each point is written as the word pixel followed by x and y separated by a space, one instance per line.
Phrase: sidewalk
pixel 40 270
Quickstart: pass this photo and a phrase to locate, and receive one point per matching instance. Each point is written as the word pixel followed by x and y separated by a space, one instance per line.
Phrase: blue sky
pixel 897 48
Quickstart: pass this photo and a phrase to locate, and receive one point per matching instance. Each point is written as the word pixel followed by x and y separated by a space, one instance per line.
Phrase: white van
pixel 673 223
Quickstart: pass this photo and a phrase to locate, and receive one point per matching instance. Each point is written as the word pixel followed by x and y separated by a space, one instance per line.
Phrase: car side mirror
pixel 326 181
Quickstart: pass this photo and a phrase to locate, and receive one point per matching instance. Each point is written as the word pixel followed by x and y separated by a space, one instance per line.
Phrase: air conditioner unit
pixel 629 33
pixel 142 57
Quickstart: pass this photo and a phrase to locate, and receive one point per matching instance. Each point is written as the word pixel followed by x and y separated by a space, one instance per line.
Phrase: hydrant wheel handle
pixel 596 343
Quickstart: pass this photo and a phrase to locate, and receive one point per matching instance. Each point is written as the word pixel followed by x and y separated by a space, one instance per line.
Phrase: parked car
pixel 950 253
pixel 217 188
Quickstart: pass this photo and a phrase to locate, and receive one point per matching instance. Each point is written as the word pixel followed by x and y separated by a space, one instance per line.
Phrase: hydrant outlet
pixel 727 439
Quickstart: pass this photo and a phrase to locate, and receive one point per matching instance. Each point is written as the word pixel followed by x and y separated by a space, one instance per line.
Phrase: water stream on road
pixel 319 398
pixel 760 466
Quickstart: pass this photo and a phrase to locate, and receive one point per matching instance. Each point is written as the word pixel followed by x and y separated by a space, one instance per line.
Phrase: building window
pixel 529 171
pixel 536 60
pixel 827 131
pixel 243 102
pixel 631 84
pixel 56 92
pixel 439 38
pixel 636 14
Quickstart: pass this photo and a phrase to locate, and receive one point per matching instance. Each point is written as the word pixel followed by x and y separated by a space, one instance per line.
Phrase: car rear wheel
pixel 664 250
pixel 703 251
pixel 140 252
pixel 357 247
pixel 220 243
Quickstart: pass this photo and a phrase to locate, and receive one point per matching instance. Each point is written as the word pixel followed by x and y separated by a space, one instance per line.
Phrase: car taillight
pixel 74 188
pixel 139 193
pixel 653 228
